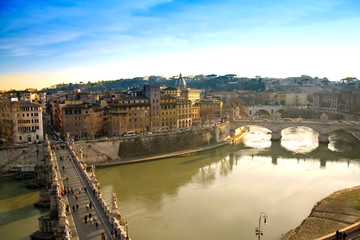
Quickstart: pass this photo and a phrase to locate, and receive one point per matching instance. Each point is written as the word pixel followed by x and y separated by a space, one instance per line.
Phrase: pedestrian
pixel 73 208
pixel 344 235
pixel 77 206
pixel 86 219
pixel 76 197
pixel 63 168
pixel 90 215
pixel 67 207
pixel 90 205
pixel 79 189
pixel 102 236
pixel 96 225
pixel 87 206
pixel 90 220
pixel 67 178
pixel 113 234
pixel 72 190
pixel 85 189
pixel 337 234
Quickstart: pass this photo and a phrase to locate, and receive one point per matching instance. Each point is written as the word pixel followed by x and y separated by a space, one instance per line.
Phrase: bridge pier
pixel 276 135
pixel 323 138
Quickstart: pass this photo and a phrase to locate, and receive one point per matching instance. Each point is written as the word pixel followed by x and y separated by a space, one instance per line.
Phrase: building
pixel 168 112
pixel 21 122
pixel 152 92
pixel 129 114
pixel 210 109
pixel 325 100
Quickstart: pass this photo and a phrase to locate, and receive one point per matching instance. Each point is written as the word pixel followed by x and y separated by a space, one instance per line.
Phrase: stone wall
pixel 124 148
pixel 10 157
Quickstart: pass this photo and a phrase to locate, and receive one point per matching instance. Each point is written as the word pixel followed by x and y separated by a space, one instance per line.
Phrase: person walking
pixel 102 236
pixel 113 234
pixel 90 205
pixel 86 219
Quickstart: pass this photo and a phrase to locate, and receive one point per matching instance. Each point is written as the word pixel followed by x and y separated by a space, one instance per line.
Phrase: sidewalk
pixel 76 181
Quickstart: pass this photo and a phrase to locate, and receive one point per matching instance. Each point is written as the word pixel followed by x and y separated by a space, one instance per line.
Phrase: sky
pixel 43 42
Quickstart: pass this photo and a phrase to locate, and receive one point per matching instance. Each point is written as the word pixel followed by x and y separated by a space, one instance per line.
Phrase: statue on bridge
pixel 277 116
pixel 324 117
pixel 114 201
pixel 92 170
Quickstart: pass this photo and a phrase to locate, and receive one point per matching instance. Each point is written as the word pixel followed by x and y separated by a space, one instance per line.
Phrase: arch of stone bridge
pixel 318 127
pixel 271 110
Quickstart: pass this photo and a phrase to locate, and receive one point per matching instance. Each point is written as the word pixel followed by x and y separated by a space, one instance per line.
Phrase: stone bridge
pixel 323 127
pixel 252 110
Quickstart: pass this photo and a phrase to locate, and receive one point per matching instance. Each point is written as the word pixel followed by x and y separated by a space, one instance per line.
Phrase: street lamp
pixel 127 230
pixel 258 231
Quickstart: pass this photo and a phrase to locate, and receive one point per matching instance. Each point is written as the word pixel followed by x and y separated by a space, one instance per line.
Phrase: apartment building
pixel 129 114
pixel 21 122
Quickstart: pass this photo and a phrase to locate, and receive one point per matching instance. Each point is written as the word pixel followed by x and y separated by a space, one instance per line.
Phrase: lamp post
pixel 258 231
pixel 127 230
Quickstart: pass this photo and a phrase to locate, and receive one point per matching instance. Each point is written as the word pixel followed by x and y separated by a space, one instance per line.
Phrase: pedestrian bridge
pixel 77 207
pixel 323 127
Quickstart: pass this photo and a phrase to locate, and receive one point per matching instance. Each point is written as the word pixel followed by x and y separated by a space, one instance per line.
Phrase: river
pixel 18 216
pixel 219 193
pixel 215 194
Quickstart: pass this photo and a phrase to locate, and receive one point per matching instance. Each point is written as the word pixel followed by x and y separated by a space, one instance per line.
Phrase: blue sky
pixel 48 42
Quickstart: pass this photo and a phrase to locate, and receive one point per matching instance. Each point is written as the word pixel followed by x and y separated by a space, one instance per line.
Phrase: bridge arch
pixel 324 128
pixel 271 110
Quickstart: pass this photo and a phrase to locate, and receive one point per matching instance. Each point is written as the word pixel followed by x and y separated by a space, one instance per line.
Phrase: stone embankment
pixel 336 212
pixel 20 155
pixel 150 147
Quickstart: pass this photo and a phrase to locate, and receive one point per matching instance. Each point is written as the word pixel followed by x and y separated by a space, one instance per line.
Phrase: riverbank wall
pixel 338 211
pixel 125 149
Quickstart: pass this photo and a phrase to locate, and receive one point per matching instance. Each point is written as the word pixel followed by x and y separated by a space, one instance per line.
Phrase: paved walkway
pixel 78 227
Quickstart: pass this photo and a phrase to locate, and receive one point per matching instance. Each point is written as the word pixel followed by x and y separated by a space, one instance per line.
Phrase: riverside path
pixel 72 177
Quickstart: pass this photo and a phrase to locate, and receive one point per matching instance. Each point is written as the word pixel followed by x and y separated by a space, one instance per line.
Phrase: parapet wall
pixel 124 148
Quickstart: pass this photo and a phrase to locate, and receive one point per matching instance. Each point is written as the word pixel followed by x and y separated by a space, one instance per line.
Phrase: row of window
pixel 28 115
pixel 28 121
pixel 76 111
pixel 28 129
pixel 27 109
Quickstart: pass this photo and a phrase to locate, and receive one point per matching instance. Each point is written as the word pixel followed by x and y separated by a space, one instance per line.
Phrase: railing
pixel 92 183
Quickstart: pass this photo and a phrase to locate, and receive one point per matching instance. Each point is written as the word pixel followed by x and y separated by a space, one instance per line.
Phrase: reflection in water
pixel 300 139
pixel 218 194
pixel 17 210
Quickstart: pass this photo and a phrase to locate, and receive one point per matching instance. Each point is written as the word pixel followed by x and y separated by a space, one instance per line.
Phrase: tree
pixel 94 123
pixel 231 104
pixel 7 122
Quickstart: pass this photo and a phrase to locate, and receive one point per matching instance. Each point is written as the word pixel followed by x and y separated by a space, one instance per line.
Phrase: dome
pixel 180 83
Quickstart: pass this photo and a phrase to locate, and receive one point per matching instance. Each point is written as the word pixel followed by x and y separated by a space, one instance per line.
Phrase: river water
pixel 215 194
pixel 18 217
pixel 219 194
